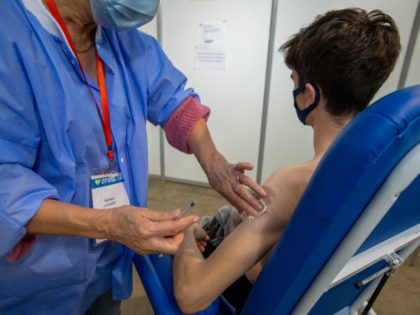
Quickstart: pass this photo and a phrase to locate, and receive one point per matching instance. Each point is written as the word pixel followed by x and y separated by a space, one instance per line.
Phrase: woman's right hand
pixel 146 231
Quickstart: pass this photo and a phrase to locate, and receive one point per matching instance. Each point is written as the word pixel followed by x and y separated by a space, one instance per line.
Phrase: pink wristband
pixel 182 121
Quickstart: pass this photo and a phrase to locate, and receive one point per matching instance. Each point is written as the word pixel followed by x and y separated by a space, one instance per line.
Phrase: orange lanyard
pixel 105 120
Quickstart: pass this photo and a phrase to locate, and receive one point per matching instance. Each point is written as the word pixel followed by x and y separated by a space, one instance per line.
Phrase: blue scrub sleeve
pixel 23 190
pixel 166 86
pixel 21 197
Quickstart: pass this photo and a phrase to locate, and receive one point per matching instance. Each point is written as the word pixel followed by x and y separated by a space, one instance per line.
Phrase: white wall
pixel 413 76
pixel 235 95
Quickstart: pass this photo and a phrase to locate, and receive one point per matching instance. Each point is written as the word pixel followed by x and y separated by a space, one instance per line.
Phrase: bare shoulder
pixel 290 176
pixel 285 188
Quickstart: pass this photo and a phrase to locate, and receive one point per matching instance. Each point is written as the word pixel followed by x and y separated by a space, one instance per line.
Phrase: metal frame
pixel 267 87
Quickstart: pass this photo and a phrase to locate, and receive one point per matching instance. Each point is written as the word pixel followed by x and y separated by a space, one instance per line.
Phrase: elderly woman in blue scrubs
pixel 78 82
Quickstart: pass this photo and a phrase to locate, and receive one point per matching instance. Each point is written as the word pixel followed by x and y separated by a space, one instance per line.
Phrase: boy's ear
pixel 309 95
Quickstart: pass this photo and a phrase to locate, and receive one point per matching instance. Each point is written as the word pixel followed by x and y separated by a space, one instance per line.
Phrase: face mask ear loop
pixel 317 94
pixel 302 114
pixel 311 107
pixel 298 90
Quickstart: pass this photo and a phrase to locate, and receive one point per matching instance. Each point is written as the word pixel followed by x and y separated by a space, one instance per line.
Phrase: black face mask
pixel 302 114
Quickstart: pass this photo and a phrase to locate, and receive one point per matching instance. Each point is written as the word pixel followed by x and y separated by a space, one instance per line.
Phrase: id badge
pixel 108 191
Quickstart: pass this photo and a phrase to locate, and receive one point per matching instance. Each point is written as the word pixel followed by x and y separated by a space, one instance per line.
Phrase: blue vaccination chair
pixel 357 221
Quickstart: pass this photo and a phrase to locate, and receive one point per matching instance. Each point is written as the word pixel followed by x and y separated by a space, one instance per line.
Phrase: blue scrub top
pixel 51 142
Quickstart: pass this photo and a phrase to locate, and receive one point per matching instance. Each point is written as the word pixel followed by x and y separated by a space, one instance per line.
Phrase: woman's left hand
pixel 228 179
pixel 231 182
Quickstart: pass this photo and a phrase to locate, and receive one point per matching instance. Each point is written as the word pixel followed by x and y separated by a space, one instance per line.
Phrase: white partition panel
pixel 234 95
pixel 153 135
pixel 150 28
pixel 287 142
pixel 413 76
pixel 153 131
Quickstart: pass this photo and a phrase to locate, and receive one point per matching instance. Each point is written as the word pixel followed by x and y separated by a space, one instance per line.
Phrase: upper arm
pixel 242 249
pixel 161 81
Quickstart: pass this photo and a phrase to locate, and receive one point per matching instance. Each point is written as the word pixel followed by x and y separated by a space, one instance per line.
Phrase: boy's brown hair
pixel 348 54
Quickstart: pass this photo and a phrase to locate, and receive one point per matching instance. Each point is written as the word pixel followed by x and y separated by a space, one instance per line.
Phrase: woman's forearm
pixel 59 218
pixel 202 145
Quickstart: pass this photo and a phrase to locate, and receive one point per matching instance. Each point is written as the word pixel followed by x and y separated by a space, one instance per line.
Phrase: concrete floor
pixel 401 295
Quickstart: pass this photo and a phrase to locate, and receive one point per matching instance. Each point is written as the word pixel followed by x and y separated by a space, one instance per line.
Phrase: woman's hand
pixel 146 231
pixel 231 182
pixel 228 179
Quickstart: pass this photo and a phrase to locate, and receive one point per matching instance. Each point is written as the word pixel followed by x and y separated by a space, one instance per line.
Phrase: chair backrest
pixel 369 160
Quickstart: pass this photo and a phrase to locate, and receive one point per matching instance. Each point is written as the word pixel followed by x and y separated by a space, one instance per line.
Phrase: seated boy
pixel 337 65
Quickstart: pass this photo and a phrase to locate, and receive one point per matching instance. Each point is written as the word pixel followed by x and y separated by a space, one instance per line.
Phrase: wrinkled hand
pixel 146 231
pixel 231 182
